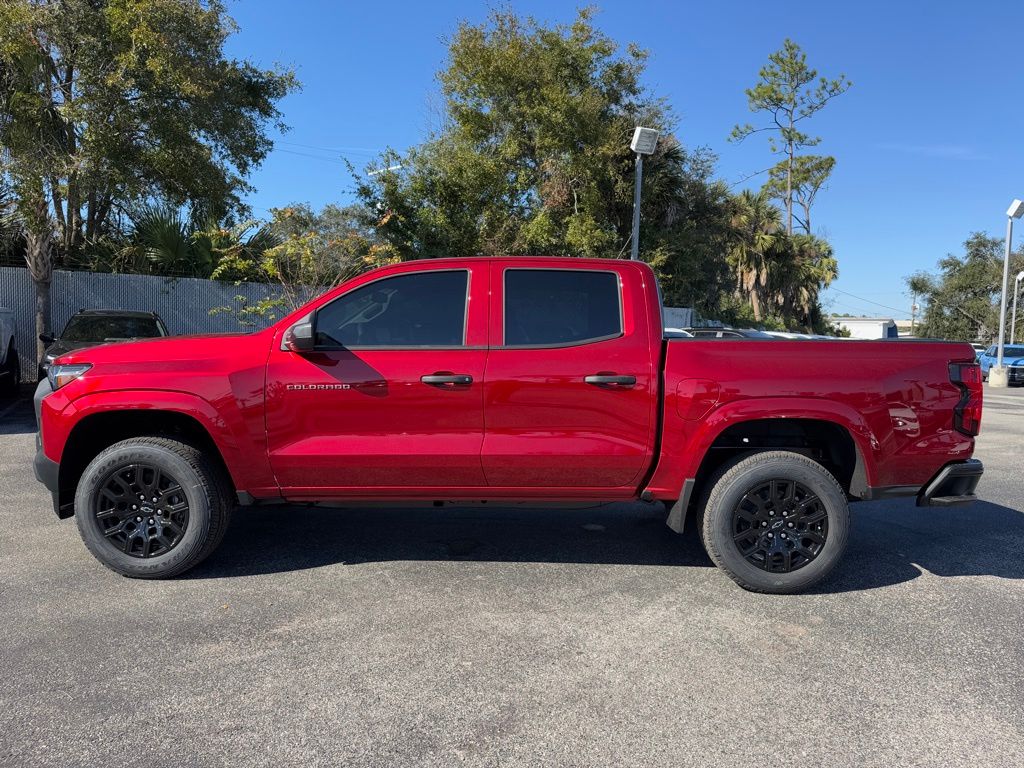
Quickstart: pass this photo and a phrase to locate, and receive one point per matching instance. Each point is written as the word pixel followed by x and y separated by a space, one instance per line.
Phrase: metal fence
pixel 183 302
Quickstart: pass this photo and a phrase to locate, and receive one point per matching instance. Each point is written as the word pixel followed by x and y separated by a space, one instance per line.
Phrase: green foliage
pixel 810 174
pixel 163 238
pixel 110 103
pixel 533 158
pixel 963 297
pixel 789 92
pixel 301 253
pixel 10 242
pixel 779 274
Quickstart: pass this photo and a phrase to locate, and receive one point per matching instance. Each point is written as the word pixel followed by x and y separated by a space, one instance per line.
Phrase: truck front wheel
pixel 775 521
pixel 152 507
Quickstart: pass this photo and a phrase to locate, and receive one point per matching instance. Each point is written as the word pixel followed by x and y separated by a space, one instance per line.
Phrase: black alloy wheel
pixel 775 521
pixel 780 525
pixel 142 509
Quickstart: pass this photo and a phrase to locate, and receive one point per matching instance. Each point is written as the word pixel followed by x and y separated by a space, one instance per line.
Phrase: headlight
pixel 59 375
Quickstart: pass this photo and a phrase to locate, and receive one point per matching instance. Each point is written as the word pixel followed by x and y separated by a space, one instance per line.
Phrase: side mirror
pixel 299 338
pixel 47 339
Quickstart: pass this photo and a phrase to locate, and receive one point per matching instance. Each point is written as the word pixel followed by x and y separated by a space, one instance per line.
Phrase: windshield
pixel 103 327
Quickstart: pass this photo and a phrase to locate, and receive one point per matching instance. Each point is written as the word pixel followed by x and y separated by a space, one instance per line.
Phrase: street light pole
pixel 634 240
pixel 644 142
pixel 997 377
pixel 1013 317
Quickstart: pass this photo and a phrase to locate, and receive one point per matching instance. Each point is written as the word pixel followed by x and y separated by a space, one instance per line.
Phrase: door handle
pixel 610 379
pixel 447 379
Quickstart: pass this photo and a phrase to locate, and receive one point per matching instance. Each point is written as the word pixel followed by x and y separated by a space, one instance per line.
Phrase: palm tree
pixel 757 227
pixel 807 265
pixel 162 238
pixel 170 244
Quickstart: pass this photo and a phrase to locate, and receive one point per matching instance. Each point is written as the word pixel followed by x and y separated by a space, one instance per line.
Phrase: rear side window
pixel 555 307
pixel 423 309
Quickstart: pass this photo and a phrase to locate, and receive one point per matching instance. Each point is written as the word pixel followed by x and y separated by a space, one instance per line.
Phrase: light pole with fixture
pixel 644 142
pixel 1013 316
pixel 997 376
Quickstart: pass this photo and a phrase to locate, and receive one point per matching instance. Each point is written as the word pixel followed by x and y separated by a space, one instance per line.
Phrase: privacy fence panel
pixel 183 302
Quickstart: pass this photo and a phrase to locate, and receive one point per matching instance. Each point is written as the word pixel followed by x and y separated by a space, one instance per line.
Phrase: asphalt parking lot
pixel 516 637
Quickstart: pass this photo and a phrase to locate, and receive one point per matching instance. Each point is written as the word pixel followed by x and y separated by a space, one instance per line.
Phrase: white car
pixel 10 364
pixel 677 333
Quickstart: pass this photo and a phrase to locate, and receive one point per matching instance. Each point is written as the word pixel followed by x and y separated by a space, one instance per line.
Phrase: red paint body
pixel 359 423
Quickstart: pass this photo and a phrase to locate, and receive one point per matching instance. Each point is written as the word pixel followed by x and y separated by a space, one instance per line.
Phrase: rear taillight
pixel 967 412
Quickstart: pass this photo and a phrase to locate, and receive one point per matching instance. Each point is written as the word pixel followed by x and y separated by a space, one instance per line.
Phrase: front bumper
pixel 47 471
pixel 953 484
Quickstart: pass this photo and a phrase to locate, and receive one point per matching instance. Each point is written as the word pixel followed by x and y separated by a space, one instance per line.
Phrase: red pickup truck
pixel 545 380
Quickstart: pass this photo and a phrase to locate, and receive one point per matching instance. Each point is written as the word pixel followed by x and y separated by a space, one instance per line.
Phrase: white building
pixel 868 327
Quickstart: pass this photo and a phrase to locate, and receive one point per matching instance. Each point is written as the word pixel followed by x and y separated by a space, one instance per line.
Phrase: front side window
pixel 552 307
pixel 422 309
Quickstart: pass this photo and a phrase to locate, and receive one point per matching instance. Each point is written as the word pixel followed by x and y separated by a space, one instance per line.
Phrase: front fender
pixel 244 453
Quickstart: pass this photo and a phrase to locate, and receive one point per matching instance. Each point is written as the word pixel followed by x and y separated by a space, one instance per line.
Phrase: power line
pixel 336 150
pixel 869 301
pixel 312 157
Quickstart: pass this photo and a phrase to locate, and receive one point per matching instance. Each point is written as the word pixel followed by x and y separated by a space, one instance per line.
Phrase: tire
pixel 785 496
pixel 124 538
pixel 11 383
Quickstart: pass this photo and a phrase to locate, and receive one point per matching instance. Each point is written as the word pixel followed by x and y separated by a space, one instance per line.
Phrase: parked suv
pixel 91 327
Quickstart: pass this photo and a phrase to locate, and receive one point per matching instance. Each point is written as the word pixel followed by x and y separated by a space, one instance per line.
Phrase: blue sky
pixel 926 142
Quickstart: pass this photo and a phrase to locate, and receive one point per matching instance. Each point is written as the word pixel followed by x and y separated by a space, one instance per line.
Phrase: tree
pixel 789 94
pixel 302 253
pixel 806 265
pixel 757 235
pixel 533 158
pixel 108 103
pixel 962 300
pixel 810 174
pixel 778 274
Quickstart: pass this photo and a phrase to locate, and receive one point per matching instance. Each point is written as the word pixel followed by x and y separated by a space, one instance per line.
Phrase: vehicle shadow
pixel 17 417
pixel 891 542
pixel 285 538
pixel 895 541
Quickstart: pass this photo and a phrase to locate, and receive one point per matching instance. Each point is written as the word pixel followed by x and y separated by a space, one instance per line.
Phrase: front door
pixel 571 387
pixel 391 397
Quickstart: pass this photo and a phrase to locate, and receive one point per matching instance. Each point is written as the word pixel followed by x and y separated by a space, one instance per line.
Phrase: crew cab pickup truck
pixel 542 380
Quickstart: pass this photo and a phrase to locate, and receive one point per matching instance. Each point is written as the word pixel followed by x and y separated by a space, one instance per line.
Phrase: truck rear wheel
pixel 775 521
pixel 152 507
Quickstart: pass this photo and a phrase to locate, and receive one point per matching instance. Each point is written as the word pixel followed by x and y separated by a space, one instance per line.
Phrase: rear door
pixel 392 395
pixel 571 381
